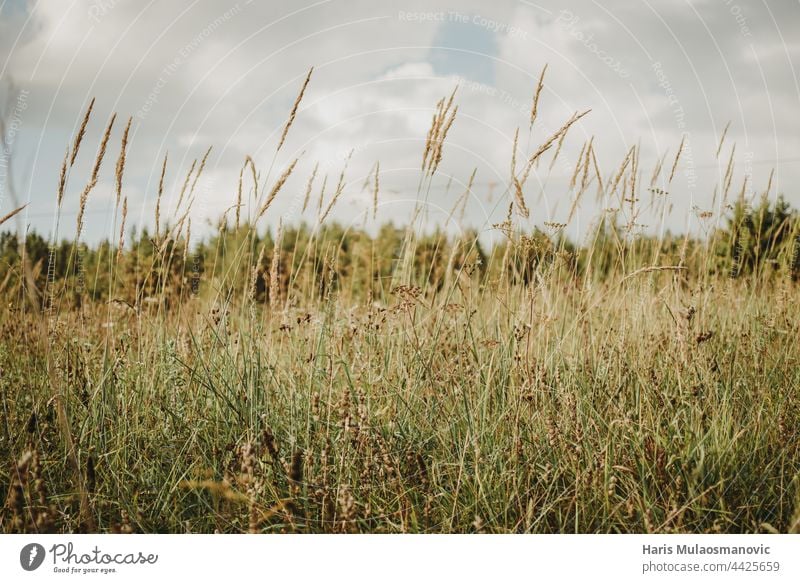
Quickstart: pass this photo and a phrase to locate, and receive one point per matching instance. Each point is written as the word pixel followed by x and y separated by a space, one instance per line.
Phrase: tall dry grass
pixel 323 381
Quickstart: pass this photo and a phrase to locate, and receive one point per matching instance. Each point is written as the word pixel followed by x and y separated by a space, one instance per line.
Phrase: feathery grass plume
pixel 121 160
pixel 248 161
pixel 536 95
pixel 722 138
pixel 274 288
pixel 589 153
pixel 519 198
pixel 578 165
pixel 584 180
pixel 621 171
pixel 375 190
pixel 188 239
pixel 62 180
pixel 254 175
pixel 239 197
pixel 657 170
pixel 12 214
pixel 95 173
pixel 558 151
pixel 744 187
pixel 339 188
pixel 549 142
pixel 331 204
pixel 176 228
pixel 634 173
pixel 367 178
pixel 440 126
pixel 514 154
pixel 321 195
pixel 185 184
pixel 199 171
pixel 450 99
pixel 769 182
pixel 102 151
pixel 309 186
pixel 277 187
pixel 432 132
pixel 677 157
pixel 121 243
pixel 292 115
pixel 726 181
pixel 81 133
pixel 440 143
pixel 597 174
pixel 161 192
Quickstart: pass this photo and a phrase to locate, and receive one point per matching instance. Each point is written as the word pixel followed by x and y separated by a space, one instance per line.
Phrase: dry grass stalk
pixel 81 133
pixel 584 184
pixel 248 161
pixel 309 186
pixel 431 133
pixel 519 198
pixel 337 193
pixel 514 154
pixel 121 160
pixel 322 195
pixel 726 181
pixel 440 125
pixel 597 174
pixel 292 115
pixel 536 95
pixel 199 172
pixel 62 180
pixel 722 138
pixel 274 289
pixel 621 171
pixel 276 188
pixel 12 214
pixel 769 182
pixel 375 190
pixel 121 243
pixel 634 174
pixel 549 142
pixel 657 170
pixel 578 166
pixel 743 190
pixel 103 146
pixel 161 192
pixel 188 239
pixel 677 158
pixel 239 198
pixel 584 179
pixel 653 268
pixel 95 173
pixel 185 186
pixel 558 151
pixel 437 157
pixel 339 189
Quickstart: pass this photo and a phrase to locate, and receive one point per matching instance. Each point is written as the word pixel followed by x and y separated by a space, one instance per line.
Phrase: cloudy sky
pixel 200 73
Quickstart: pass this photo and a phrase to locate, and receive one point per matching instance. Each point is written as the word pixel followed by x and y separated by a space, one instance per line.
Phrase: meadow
pixel 311 378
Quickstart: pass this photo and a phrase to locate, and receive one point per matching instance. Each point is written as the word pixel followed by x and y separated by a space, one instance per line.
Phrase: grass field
pixel 321 380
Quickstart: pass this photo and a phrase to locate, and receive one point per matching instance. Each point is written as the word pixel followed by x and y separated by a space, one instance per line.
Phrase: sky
pixel 194 74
